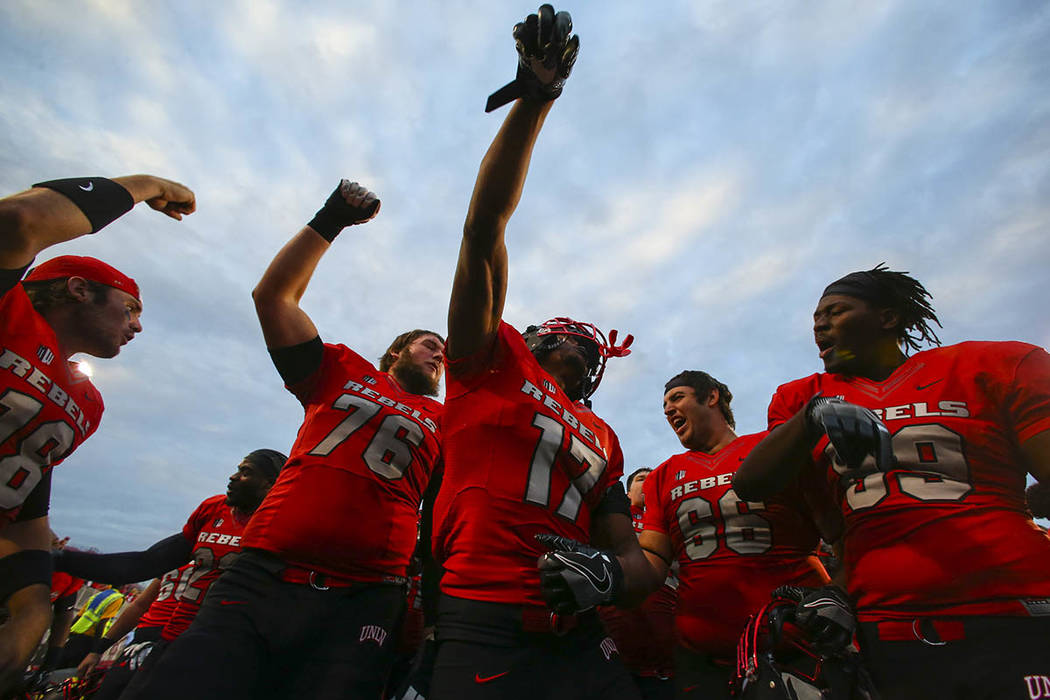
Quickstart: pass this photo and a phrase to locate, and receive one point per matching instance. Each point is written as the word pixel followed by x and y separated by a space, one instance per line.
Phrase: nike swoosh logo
pixel 920 387
pixel 87 188
pixel 479 679
pixel 823 602
pixel 602 585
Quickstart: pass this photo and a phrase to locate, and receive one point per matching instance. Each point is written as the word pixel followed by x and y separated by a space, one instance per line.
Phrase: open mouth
pixel 825 346
pixel 677 423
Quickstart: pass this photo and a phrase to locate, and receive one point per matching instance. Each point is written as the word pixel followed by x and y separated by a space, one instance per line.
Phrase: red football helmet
pixel 550 334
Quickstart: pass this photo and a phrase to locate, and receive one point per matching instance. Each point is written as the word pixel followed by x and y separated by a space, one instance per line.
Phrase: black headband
pixel 269 462
pixel 862 285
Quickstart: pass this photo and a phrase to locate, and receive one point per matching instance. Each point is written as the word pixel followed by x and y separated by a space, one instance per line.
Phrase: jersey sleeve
pixel 789 400
pixel 308 389
pixel 466 373
pixel 1028 400
pixel 197 520
pixel 653 517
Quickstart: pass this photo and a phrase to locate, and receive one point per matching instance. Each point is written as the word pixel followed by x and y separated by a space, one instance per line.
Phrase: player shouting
pixel 928 453
pixel 65 305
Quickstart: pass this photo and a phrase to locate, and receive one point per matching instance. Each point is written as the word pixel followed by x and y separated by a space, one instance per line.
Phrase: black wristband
pixel 102 201
pixel 336 214
pixel 22 569
pixel 101 645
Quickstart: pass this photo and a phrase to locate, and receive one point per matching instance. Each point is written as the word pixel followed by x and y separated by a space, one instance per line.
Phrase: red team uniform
pixel 332 540
pixel 47 407
pixel 216 533
pixel 159 612
pixel 946 532
pixel 521 459
pixel 64 585
pixel 347 502
pixel 731 553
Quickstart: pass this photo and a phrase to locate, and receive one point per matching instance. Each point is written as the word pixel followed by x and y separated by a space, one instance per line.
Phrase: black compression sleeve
pixel 9 278
pixel 126 567
pixel 297 362
pixel 38 501
pixel 430 587
pixel 614 501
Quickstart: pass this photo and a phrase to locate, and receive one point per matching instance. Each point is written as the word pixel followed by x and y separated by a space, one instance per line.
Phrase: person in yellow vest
pixel 93 620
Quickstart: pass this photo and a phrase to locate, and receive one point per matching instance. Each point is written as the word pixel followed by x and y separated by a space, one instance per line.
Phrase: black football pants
pixel 259 637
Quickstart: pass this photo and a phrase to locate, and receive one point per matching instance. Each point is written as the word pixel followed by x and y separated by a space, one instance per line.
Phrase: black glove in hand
pixel 826 616
pixel 546 53
pixel 854 432
pixel 349 204
pixel 575 577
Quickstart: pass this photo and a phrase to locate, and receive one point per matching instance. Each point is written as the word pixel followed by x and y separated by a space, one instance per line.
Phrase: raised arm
pixel 546 54
pixel 284 323
pixel 60 210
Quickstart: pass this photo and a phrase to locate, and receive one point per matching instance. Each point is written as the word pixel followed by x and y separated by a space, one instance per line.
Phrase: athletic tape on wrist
pixel 102 200
pixel 22 569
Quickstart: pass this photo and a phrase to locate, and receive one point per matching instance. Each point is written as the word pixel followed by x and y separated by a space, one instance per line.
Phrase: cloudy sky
pixel 711 165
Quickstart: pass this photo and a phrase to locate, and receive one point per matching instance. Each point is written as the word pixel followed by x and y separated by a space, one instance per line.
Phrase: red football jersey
pixel 645 636
pixel 215 530
pixel 947 532
pixel 47 407
pixel 520 459
pixel 163 605
pixel 731 553
pixel 347 501
pixel 63 584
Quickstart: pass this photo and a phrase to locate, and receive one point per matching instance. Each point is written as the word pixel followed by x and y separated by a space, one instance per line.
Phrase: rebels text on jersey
pixel 47 407
pixel 347 501
pixel 215 532
pixel 946 531
pixel 731 553
pixel 520 459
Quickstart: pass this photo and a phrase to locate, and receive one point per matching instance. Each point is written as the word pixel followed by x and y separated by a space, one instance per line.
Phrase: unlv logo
pixel 608 647
pixel 1038 687
pixel 368 379
pixel 373 633
pixel 45 354
pixel 679 475
pixel 217 523
pixel 550 388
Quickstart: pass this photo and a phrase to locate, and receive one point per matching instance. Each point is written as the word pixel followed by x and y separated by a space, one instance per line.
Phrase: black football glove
pixel 575 577
pixel 349 204
pixel 826 616
pixel 854 432
pixel 546 53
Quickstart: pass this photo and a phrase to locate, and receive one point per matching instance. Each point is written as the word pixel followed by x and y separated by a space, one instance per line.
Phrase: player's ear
pixel 78 289
pixel 712 398
pixel 889 319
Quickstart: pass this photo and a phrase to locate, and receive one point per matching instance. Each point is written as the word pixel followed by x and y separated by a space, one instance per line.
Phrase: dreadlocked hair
pixel 910 299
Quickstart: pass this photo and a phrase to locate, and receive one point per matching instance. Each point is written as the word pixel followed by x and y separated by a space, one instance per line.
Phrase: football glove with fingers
pixel 547 50
pixel 349 204
pixel 854 432
pixel 575 577
pixel 826 615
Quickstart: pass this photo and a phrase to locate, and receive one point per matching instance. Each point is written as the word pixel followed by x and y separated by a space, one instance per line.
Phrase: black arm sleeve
pixel 297 362
pixel 38 501
pixel 614 501
pixel 9 278
pixel 126 567
pixel 430 588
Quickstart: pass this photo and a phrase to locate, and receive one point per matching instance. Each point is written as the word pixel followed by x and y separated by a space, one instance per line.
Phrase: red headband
pixel 81 266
